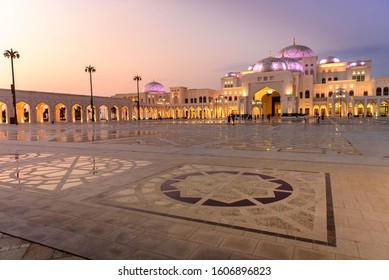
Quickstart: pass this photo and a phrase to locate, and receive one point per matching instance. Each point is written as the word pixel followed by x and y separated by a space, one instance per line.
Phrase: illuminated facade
pixel 293 82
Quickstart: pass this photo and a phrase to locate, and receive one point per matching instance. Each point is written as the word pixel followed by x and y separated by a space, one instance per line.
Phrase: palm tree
pixel 91 69
pixel 13 54
pixel 138 78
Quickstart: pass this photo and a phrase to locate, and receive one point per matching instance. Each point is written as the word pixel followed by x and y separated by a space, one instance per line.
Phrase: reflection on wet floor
pixel 29 134
pixel 273 137
pixel 79 136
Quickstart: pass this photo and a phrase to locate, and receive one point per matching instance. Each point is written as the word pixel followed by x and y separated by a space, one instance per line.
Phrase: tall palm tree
pixel 13 55
pixel 138 78
pixel 90 70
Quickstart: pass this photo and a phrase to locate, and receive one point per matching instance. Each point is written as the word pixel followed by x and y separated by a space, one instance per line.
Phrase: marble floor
pixel 196 189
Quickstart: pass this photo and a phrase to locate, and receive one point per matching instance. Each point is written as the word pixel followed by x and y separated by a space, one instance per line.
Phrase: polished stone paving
pixel 199 189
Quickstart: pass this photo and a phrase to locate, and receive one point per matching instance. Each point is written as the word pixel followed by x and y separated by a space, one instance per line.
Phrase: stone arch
pixel 42 112
pixel 115 113
pixel 359 109
pixel 61 112
pixel 323 110
pixel 125 113
pixel 23 112
pixel 3 112
pixel 384 108
pixel 178 113
pixel 316 110
pixel 89 113
pixel 103 113
pixel 270 99
pixel 371 109
pixel 77 113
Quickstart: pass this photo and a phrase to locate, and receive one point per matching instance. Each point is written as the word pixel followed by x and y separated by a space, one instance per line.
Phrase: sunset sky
pixel 190 43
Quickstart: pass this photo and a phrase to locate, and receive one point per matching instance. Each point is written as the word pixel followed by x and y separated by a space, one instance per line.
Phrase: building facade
pixel 294 82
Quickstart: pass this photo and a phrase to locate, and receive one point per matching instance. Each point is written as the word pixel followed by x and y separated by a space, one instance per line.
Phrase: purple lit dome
pixel 296 51
pixel 292 64
pixel 154 88
pixel 329 59
pixel 270 64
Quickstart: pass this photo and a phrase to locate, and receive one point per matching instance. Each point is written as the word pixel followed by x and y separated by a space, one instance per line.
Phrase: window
pixel 336 78
pixel 323 81
pixel 271 78
pixel 306 72
pixel 359 77
pixel 195 100
pixel 307 94
pixel 265 78
pixel 259 79
pixel 330 93
pixel 351 93
pixel 311 72
pixel 317 95
pixel 230 98
pixel 322 95
pixel 301 94
pixel 365 93
pixel 329 79
pixel 385 90
pixel 235 98
pixel 307 111
pixel 201 99
pixel 204 99
pixel 191 100
pixel 186 100
pixel 378 91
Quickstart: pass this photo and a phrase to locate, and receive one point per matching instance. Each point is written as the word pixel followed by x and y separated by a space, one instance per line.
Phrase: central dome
pixel 296 51
pixel 292 64
pixel 154 88
pixel 270 64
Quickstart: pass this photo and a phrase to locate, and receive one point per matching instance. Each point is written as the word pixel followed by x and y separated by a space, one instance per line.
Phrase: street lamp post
pixel 13 54
pixel 90 70
pixel 138 78
pixel 340 93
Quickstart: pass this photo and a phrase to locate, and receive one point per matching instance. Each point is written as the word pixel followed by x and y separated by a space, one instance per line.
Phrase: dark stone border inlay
pixel 280 193
pixel 331 230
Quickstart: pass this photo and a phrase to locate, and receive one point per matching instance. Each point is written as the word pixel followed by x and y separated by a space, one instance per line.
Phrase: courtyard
pixel 196 189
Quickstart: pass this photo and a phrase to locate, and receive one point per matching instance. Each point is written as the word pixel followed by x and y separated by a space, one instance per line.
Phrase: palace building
pixel 294 82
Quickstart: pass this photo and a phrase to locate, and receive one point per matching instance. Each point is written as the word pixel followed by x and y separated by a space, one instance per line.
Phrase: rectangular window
pixel 265 78
pixel 259 79
pixel 301 94
pixel 191 100
pixel 317 95
pixel 365 93
pixel 186 100
pixel 271 78
pixel 307 111
pixel 322 95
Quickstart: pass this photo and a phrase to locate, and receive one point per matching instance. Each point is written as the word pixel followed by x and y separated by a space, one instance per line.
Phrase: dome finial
pixel 269 53
pixel 294 40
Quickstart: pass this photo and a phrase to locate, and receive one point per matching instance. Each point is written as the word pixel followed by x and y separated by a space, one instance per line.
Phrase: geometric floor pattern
pixel 285 203
pixel 46 172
